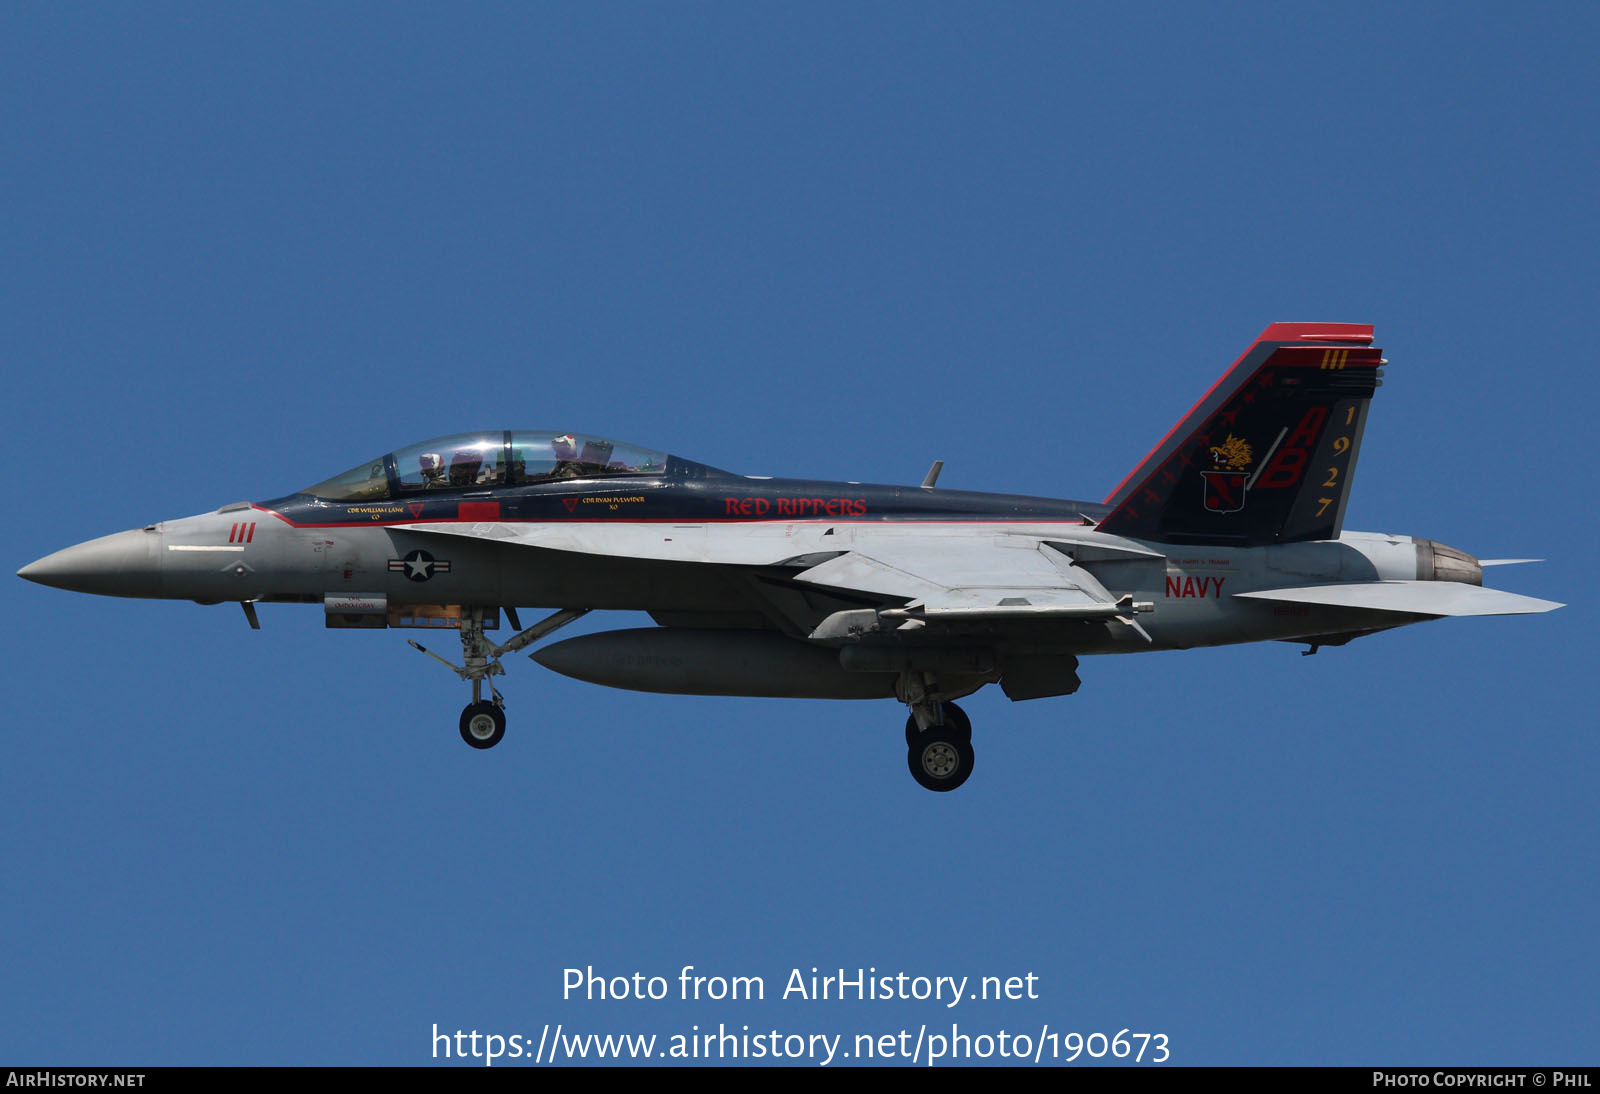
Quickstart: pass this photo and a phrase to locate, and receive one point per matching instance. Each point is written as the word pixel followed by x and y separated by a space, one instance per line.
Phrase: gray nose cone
pixel 125 564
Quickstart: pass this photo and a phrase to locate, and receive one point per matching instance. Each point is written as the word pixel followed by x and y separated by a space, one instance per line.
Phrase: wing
pixel 945 582
pixel 917 580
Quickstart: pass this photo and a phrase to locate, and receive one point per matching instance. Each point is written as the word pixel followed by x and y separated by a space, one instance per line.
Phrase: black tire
pixel 483 724
pixel 955 720
pixel 940 760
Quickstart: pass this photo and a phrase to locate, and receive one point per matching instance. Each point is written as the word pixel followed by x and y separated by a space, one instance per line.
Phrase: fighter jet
pixel 1229 531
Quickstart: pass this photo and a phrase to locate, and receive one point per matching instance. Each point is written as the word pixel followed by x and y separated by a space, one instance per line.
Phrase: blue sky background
pixel 246 247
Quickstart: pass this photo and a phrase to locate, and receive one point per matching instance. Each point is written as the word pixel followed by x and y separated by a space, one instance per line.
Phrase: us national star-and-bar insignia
pixel 419 565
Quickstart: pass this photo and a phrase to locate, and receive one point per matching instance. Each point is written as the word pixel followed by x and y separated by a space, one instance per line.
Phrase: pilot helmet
pixel 566 446
pixel 464 464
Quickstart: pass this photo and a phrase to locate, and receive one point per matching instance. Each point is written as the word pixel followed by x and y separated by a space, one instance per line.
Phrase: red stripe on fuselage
pixel 1077 521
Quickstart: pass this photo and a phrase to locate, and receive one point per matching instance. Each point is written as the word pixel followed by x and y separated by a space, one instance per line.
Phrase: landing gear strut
pixel 954 718
pixel 483 722
pixel 938 735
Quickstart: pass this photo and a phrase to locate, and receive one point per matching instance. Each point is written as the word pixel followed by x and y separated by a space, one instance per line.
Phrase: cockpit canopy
pixel 484 461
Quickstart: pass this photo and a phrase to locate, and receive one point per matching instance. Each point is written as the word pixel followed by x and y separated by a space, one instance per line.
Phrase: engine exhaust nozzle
pixel 1436 562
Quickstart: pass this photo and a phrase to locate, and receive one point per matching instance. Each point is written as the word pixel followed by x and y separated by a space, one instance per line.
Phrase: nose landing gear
pixel 483 722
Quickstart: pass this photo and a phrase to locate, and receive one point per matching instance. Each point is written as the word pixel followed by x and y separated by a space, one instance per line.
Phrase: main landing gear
pixel 938 736
pixel 483 722
pixel 940 757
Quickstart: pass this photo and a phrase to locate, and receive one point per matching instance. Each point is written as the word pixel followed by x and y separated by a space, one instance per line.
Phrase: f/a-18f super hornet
pixel 1230 530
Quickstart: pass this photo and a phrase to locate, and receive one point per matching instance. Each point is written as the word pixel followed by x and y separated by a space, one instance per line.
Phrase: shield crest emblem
pixel 1224 490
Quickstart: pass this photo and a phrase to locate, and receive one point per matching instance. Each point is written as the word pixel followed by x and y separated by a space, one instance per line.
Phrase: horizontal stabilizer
pixel 1436 598
pixel 1506 561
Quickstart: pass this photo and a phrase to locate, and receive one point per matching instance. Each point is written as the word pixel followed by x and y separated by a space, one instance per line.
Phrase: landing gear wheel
pixel 940 759
pixel 955 721
pixel 483 724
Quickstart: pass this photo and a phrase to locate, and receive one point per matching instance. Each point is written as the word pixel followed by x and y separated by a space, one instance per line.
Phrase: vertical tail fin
pixel 1265 456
